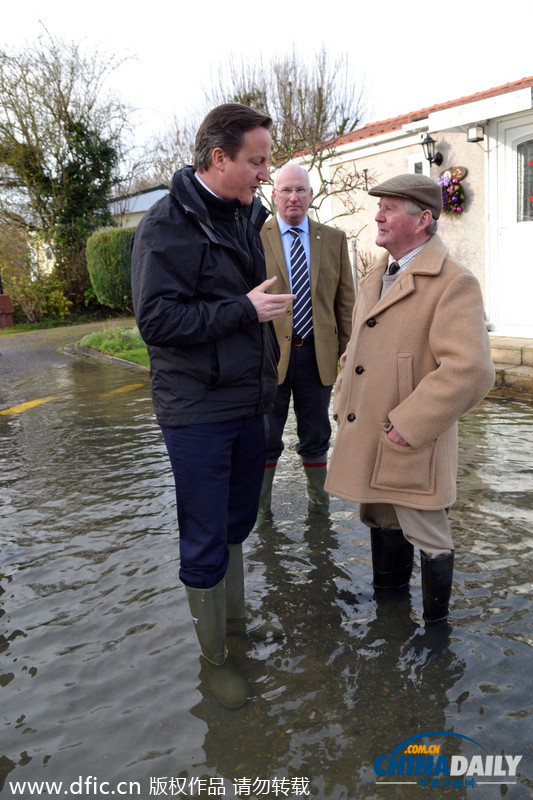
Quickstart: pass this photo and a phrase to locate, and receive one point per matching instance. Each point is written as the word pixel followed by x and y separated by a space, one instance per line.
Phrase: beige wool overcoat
pixel 332 295
pixel 418 358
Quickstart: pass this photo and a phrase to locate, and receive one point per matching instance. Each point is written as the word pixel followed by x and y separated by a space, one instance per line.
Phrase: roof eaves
pixel 397 123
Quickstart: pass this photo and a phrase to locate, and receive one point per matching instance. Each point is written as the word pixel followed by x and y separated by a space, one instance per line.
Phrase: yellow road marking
pixel 32 403
pixel 123 389
pixel 25 406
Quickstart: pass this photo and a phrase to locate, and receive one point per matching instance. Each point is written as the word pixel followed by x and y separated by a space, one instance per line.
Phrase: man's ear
pixel 218 158
pixel 425 219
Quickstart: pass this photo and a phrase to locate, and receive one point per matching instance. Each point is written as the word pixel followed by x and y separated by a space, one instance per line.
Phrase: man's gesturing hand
pixel 269 306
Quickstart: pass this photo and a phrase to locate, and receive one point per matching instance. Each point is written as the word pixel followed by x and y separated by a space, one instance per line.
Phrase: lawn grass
pixel 125 343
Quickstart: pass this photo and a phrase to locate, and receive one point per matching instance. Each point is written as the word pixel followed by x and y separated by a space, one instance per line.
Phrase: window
pixel 524 153
pixel 418 165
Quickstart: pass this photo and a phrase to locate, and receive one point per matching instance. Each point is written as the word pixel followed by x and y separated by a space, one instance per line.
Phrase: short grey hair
pixel 412 208
pixel 290 164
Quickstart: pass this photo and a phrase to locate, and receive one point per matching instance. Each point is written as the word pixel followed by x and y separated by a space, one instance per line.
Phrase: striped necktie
pixel 302 323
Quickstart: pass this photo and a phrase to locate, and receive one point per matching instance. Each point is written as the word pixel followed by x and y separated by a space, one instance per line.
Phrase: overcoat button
pixel 371 322
pixel 359 370
pixel 350 417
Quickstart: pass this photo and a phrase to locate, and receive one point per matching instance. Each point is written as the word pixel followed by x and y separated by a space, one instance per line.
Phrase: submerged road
pixel 101 685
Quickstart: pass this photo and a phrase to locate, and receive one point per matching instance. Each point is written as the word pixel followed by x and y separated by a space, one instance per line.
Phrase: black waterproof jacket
pixel 194 259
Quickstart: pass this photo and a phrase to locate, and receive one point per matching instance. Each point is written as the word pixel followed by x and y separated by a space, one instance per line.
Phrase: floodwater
pixel 101 687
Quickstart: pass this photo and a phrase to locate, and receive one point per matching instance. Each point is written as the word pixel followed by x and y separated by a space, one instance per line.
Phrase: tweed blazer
pixel 332 294
pixel 418 358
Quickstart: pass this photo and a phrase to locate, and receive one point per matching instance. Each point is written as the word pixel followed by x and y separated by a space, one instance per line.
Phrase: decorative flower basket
pixel 453 194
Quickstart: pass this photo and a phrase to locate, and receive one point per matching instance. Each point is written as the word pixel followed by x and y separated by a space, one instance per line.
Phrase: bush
pixel 35 294
pixel 109 265
pixel 34 290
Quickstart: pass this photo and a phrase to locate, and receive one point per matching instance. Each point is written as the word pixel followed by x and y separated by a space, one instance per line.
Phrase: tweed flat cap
pixel 423 191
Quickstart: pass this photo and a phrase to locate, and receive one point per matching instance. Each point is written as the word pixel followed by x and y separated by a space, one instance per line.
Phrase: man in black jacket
pixel 199 293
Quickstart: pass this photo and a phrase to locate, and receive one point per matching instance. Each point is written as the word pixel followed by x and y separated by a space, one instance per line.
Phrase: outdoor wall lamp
pixel 476 133
pixel 428 146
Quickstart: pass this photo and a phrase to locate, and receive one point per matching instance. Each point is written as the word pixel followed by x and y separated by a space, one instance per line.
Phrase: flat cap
pixel 422 190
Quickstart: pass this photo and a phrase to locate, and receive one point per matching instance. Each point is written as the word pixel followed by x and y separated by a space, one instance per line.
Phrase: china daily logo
pixel 423 763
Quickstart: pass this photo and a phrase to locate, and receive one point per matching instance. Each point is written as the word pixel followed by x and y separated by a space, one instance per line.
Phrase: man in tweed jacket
pixel 308 366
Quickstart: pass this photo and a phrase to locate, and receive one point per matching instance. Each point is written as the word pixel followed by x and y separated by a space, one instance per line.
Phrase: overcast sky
pixel 406 55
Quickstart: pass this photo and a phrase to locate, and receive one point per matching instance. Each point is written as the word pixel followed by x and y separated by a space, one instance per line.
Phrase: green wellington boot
pixel 208 610
pixel 318 497
pixel 265 500
pixel 236 621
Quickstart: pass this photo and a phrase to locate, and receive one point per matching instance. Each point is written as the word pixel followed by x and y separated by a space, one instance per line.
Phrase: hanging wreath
pixel 453 194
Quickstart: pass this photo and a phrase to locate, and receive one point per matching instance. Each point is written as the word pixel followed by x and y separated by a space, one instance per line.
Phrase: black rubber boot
pixel 392 558
pixel 437 574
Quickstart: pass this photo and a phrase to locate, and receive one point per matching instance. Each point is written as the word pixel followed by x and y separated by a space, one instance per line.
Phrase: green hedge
pixel 109 264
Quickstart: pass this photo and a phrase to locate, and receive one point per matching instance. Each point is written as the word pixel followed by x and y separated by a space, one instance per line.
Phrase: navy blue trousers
pixel 218 471
pixel 311 407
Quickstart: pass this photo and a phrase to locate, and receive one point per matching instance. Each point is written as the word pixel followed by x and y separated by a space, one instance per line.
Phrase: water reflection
pixel 100 672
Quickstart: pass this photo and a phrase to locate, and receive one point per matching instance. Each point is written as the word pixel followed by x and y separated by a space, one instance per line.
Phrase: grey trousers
pixel 429 531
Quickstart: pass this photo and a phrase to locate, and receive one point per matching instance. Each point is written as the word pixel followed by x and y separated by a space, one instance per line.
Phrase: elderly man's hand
pixel 395 437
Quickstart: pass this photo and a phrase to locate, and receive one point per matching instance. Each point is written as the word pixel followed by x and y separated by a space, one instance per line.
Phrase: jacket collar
pixel 195 200
pixel 430 259
pixel 428 262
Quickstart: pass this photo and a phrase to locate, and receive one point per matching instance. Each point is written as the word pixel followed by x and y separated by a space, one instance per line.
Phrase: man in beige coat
pixel 418 358
pixel 310 347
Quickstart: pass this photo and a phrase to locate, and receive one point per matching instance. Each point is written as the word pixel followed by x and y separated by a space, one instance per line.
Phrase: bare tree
pixel 167 152
pixel 312 105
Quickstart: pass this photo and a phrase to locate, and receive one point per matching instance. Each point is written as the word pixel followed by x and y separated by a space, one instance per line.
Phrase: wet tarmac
pixel 101 686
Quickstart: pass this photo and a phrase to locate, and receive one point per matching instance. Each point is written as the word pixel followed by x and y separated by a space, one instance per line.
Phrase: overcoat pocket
pixel 404 469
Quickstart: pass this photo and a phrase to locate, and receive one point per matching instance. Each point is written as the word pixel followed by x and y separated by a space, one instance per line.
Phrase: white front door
pixel 510 286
